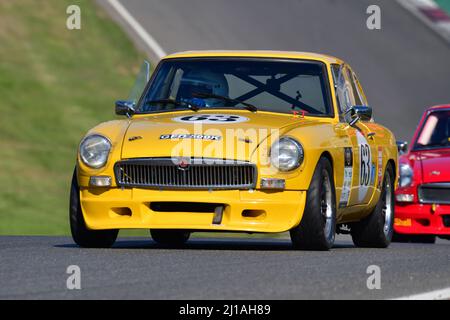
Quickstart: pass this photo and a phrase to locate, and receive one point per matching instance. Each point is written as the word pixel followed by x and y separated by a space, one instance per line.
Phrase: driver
pixel 203 82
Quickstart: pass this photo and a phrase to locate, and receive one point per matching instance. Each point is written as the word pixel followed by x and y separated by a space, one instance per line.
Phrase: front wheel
pixel 316 230
pixel 80 233
pixel 375 231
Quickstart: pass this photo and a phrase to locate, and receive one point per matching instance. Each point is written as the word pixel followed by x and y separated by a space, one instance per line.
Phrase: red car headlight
pixel 406 175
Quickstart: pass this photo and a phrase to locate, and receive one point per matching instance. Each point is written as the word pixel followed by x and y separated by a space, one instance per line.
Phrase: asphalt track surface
pixel 403 67
pixel 137 268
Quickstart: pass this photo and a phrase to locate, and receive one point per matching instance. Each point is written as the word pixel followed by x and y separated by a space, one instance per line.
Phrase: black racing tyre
pixel 81 235
pixel 376 230
pixel 414 238
pixel 317 228
pixel 170 237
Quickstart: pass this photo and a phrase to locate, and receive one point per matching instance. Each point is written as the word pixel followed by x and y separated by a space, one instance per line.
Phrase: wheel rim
pixel 387 206
pixel 326 206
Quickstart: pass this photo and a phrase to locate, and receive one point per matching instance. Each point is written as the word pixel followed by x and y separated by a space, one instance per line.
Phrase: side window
pixel 140 83
pixel 356 93
pixel 343 88
pixel 360 90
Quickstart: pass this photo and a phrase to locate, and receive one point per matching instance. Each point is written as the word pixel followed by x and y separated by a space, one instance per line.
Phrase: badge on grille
pixel 183 163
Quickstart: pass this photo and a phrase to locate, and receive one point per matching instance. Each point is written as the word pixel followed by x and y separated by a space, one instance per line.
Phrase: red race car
pixel 422 209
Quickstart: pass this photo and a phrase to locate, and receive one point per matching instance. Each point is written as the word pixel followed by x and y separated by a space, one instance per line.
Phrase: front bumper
pixel 422 219
pixel 115 208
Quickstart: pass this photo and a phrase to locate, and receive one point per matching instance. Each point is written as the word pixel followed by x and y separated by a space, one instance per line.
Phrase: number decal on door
pixel 365 167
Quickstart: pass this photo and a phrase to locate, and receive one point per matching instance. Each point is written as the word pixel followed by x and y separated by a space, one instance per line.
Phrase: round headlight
pixel 406 175
pixel 286 154
pixel 94 151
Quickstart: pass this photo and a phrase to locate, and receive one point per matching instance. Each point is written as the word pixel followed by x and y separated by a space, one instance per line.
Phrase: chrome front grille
pixel 438 193
pixel 186 174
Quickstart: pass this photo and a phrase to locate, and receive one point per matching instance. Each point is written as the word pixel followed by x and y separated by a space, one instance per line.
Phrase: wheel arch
pixel 326 154
pixel 392 163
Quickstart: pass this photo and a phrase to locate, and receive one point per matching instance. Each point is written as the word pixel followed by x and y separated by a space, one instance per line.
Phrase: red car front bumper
pixel 422 219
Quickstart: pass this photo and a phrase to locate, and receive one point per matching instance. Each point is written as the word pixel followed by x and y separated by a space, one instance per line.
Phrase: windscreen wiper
pixel 246 105
pixel 188 105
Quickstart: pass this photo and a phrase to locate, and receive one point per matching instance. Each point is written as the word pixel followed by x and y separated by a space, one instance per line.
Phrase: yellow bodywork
pixel 275 210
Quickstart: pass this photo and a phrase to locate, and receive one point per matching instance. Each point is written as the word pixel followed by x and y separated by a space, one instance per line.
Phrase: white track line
pixel 441 28
pixel 137 27
pixel 443 294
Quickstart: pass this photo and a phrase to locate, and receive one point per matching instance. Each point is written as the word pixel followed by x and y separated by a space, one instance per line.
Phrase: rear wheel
pixel 316 230
pixel 170 237
pixel 80 233
pixel 376 230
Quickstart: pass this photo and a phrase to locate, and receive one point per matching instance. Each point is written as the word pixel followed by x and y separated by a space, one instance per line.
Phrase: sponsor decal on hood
pixel 190 136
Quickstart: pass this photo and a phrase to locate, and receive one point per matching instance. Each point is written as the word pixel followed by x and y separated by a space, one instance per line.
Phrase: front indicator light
pixel 404 197
pixel 403 222
pixel 271 183
pixel 100 181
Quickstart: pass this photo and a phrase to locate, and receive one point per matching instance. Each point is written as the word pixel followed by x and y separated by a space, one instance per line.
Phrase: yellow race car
pixel 240 141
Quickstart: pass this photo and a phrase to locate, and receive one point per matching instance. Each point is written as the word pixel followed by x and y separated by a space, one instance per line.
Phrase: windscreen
pixel 270 85
pixel 435 132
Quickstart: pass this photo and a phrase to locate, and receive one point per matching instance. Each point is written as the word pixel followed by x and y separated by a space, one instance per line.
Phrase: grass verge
pixel 55 84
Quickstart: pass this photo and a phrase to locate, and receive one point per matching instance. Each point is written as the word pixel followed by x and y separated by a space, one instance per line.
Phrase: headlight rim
pixel 84 140
pixel 299 161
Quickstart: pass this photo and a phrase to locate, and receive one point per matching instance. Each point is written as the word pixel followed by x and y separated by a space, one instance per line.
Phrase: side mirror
pixel 124 108
pixel 357 113
pixel 402 147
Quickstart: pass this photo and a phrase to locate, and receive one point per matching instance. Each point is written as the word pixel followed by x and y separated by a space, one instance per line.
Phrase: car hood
pixel 208 134
pixel 435 165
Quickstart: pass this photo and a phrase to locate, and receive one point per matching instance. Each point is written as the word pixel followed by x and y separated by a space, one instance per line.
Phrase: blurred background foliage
pixel 55 84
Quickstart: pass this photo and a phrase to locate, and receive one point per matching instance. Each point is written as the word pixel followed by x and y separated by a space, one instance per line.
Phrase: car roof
pixel 256 54
pixel 442 106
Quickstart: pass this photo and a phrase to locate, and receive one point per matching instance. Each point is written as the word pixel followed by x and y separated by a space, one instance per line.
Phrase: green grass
pixel 54 85
pixel 444 4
